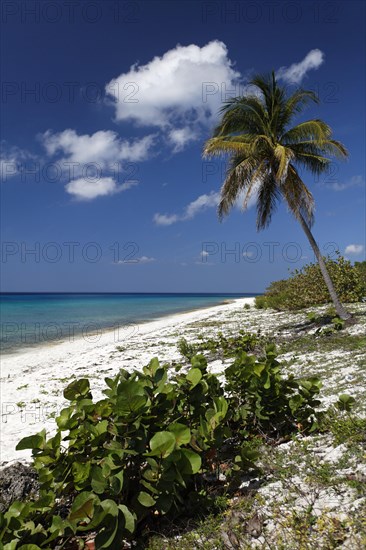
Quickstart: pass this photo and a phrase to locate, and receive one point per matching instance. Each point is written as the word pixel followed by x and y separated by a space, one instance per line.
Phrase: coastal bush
pixel 306 287
pixel 260 302
pixel 228 346
pixel 265 402
pixel 116 465
pixel 361 269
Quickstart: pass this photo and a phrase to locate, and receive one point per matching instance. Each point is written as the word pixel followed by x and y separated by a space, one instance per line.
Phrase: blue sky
pixel 105 108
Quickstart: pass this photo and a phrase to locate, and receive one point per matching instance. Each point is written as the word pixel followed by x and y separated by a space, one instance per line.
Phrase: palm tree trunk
pixel 342 313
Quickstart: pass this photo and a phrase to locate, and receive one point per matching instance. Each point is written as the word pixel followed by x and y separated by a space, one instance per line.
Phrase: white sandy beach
pixel 32 386
pixel 32 381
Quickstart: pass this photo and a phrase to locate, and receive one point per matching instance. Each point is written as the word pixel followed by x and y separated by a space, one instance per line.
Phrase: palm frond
pixel 283 156
pixel 238 178
pixel 256 178
pixel 295 104
pixel 221 147
pixel 268 196
pixel 311 129
pixel 298 197
pixel 242 115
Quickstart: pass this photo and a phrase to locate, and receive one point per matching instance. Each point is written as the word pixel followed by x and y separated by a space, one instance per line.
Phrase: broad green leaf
pixel 154 365
pixel 98 481
pixel 162 444
pixel 181 433
pixel 267 383
pixel 64 418
pixel 129 518
pixel 145 499
pixel 80 472
pixel 258 368
pixel 82 507
pixel 76 389
pixel 36 441
pixel 117 482
pixel 199 362
pixel 131 403
pixel 194 375
pixel 190 462
pixel 109 507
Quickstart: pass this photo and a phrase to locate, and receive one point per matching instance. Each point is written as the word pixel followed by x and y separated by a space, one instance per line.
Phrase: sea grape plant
pixel 116 465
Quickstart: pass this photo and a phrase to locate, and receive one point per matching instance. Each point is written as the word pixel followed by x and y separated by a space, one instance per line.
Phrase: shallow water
pixel 36 319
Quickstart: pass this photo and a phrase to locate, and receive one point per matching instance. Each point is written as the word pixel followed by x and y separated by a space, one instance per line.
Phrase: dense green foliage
pixel 118 464
pixel 361 268
pixel 306 286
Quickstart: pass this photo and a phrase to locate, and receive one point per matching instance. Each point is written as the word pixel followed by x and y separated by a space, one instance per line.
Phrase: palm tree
pixel 266 154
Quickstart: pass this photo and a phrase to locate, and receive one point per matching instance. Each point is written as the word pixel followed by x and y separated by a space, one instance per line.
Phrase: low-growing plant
pixel 267 403
pixel 328 318
pixel 260 302
pixel 116 465
pixel 186 349
pixel 228 346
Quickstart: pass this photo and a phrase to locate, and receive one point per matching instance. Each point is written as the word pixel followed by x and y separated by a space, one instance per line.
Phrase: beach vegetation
pixel 224 346
pixel 154 447
pixel 306 288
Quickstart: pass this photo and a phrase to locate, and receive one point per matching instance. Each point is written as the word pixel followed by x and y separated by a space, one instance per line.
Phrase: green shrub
pixel 117 464
pixel 227 346
pixel 186 349
pixel 306 286
pixel 260 302
pixel 361 269
pixel 266 403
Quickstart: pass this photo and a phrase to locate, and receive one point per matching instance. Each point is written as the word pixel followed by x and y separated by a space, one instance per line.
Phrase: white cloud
pixel 354 249
pixel 88 189
pixel 9 167
pixel 203 202
pixel 354 181
pixel 127 185
pixel 165 219
pixel 179 138
pixel 176 92
pixel 191 210
pixel 99 153
pixel 141 260
pixel 204 253
pixel 296 72
pixel 104 147
pixel 12 160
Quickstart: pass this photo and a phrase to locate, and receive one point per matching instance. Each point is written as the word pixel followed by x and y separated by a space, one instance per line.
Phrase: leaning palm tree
pixel 266 154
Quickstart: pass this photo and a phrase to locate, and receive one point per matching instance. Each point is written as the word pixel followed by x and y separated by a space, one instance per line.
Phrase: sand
pixel 32 381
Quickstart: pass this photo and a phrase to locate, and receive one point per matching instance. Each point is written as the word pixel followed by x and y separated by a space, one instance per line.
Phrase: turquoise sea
pixel 37 319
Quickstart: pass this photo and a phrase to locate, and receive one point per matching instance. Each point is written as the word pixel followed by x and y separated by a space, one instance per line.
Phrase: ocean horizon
pixel 32 319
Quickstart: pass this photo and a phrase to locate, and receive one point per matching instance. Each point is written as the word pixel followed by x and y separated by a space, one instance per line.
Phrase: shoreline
pixel 17 351
pixel 30 377
pixel 32 383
